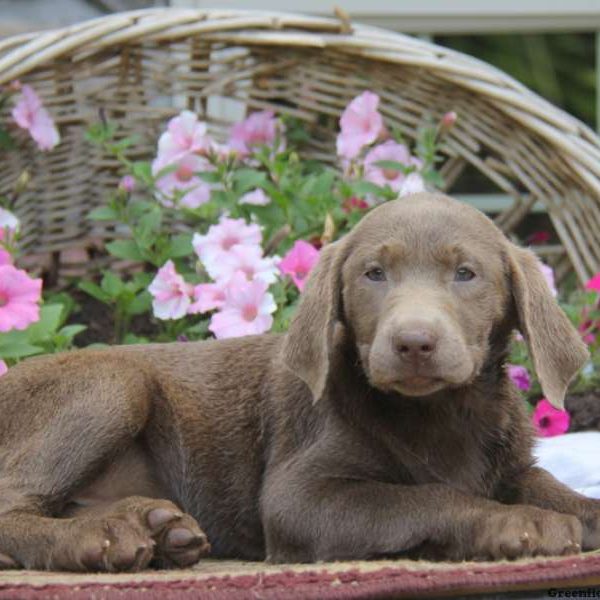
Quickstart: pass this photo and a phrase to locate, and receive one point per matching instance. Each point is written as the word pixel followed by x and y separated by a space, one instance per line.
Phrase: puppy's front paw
pixel 521 531
pixel 591 525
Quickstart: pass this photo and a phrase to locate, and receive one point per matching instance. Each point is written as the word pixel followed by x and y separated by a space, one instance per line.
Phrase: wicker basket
pixel 142 67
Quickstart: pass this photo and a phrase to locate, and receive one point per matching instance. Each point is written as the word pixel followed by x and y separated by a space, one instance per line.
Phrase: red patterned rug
pixel 231 580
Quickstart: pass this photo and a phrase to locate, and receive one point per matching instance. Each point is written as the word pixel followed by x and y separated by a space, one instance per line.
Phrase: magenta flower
pixel 299 262
pixel 548 420
pixel 207 297
pixel 594 283
pixel 360 125
pixel 127 184
pixel 220 238
pixel 548 273
pixel 171 294
pixel 181 177
pixel 259 129
pixel 247 309
pixel 19 298
pixel 256 197
pixel 519 375
pixel 391 151
pixel 184 135
pixel 3 368
pixel 29 113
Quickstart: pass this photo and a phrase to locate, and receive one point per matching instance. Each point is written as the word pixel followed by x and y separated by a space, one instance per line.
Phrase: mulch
pixel 236 580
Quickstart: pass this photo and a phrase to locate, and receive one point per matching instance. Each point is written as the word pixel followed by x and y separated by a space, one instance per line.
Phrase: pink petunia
pixel 19 298
pixel 259 129
pixel 247 309
pixel 207 297
pixel 594 283
pixel 222 237
pixel 181 177
pixel 360 125
pixel 299 262
pixel 248 260
pixel 30 114
pixel 413 184
pixel 172 296
pixel 184 135
pixel 127 184
pixel 550 421
pixel 3 368
pixel 390 151
pixel 519 375
pixel 548 273
pixel 5 257
pixel 256 197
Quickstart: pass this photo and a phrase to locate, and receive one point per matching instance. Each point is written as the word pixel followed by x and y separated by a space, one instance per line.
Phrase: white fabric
pixel 574 459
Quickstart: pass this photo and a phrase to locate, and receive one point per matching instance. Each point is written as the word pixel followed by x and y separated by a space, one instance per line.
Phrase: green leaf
pixel 112 284
pixel 50 320
pixel 18 349
pixel 180 245
pixel 140 304
pixel 248 179
pixel 142 171
pixel 209 176
pixel 6 140
pixel 393 165
pixel 126 249
pixel 103 213
pixel 94 291
pixel 99 133
pixel 70 331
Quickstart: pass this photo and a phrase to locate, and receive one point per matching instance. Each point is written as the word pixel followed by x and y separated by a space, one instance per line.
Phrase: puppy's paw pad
pixel 159 517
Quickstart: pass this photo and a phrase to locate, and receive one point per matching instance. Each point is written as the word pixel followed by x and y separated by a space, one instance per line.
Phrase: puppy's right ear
pixel 309 342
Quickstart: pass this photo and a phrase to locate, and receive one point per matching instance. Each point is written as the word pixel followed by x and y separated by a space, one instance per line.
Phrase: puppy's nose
pixel 415 344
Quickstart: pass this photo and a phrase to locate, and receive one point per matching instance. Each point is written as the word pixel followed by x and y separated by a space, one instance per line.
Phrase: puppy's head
pixel 420 286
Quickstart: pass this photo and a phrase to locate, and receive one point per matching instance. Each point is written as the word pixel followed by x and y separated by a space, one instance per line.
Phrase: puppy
pixel 381 424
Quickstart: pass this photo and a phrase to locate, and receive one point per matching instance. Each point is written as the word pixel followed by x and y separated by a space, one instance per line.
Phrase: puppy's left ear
pixel 555 346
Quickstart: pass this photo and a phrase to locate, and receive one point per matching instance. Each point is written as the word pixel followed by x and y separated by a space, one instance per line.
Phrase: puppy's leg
pixel 537 487
pixel 63 419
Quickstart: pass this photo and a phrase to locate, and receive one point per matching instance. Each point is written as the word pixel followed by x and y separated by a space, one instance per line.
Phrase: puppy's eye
pixel 376 274
pixel 463 274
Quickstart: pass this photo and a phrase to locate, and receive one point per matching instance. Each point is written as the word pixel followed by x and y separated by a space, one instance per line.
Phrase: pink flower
pixel 184 135
pixel 19 298
pixel 299 261
pixel 548 420
pixel 207 297
pixel 5 257
pixel 413 184
pixel 548 273
pixel 448 120
pixel 256 197
pixel 247 309
pixel 519 376
pixel 538 237
pixel 222 237
pixel 3 368
pixel 181 178
pixel 127 183
pixel 360 125
pixel 594 283
pixel 259 129
pixel 30 114
pixel 245 259
pixel 171 294
pixel 391 151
